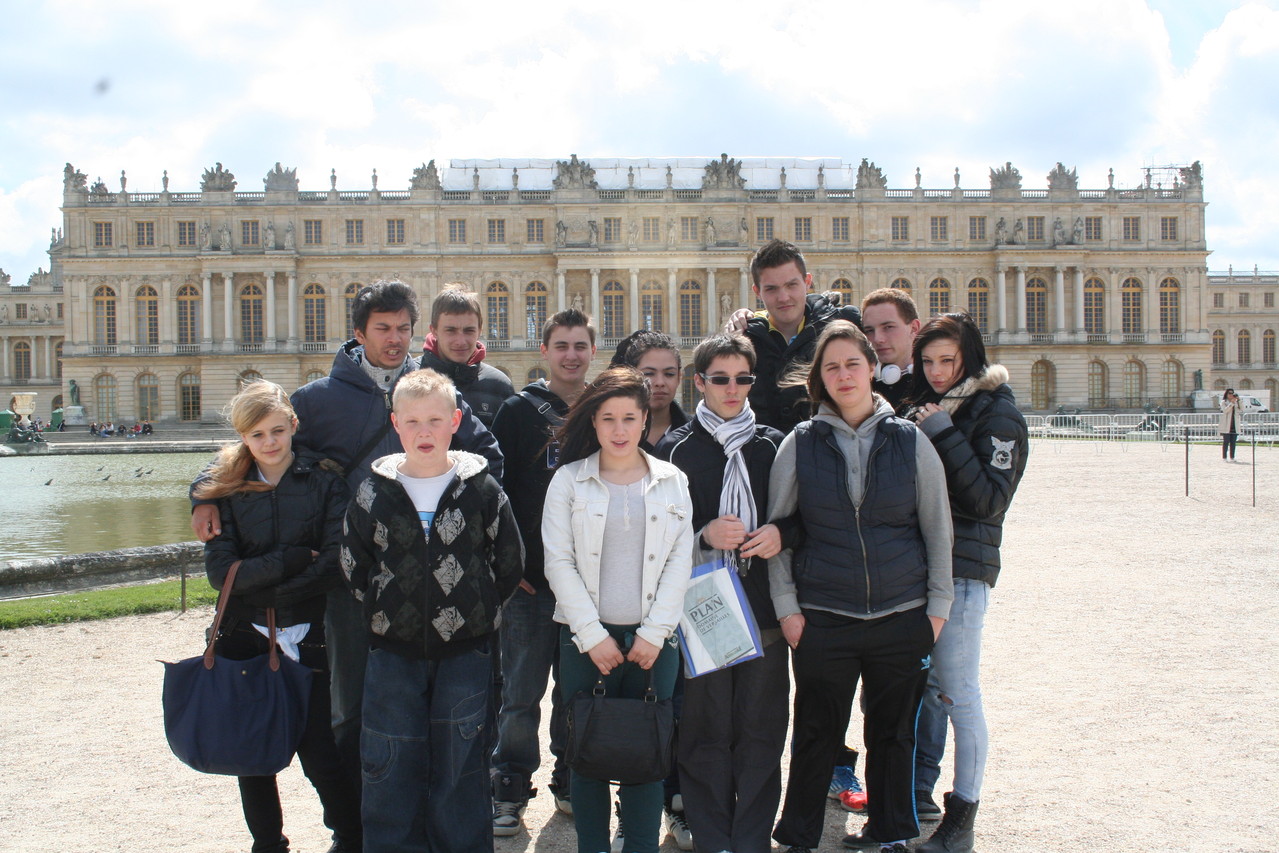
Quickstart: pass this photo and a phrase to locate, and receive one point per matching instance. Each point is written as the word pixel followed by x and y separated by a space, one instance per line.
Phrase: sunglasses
pixel 724 380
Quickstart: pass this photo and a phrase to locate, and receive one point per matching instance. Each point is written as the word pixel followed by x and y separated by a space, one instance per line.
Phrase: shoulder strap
pixel 223 599
pixel 367 447
pixel 544 408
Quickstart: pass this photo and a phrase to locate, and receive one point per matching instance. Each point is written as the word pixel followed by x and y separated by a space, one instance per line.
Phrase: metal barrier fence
pixel 1263 426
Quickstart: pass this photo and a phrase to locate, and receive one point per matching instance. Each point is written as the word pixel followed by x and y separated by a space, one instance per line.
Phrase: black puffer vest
pixel 859 559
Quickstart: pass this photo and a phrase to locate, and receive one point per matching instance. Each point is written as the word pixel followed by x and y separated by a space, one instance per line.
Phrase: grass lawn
pixel 105 603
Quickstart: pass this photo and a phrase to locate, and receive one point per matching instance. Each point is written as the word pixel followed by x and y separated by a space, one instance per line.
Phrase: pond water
pixel 94 502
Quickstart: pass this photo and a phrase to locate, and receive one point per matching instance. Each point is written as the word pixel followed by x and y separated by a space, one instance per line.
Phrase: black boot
pixel 955 834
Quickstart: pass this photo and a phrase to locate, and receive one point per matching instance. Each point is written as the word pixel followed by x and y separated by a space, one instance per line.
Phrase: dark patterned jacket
pixel 439 595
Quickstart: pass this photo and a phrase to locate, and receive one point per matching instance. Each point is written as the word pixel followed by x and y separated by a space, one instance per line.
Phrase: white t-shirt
pixel 425 492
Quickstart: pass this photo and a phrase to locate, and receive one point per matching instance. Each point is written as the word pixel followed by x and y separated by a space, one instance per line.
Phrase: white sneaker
pixel 678 828
pixel 563 804
pixel 508 818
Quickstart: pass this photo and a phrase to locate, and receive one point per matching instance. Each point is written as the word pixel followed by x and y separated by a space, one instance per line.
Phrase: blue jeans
pixel 954 691
pixel 423 755
pixel 530 647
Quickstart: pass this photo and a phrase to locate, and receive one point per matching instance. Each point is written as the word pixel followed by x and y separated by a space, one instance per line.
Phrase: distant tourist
pixel 1228 425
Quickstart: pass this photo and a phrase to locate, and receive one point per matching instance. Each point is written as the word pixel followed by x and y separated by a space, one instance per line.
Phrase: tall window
pixel 1168 228
pixel 1035 229
pixel 395 232
pixel 1219 347
pixel 355 232
pixel 652 232
pixel 147 304
pixel 535 230
pixel 22 361
pixel 688 229
pixel 977 228
pixel 148 394
pixel 144 234
pixel 938 296
pixel 104 308
pixel 102 236
pixel 188 299
pixel 251 314
pixel 612 229
pixel 939 228
pixel 314 315
pixel 457 230
pixel 901 284
pixel 1172 379
pixel 614 310
pixel 839 229
pixel 1094 307
pixel 1244 342
pixel 57 360
pixel 186 233
pixel 535 295
pixel 250 234
pixel 497 230
pixel 1132 228
pixel 1134 383
pixel 348 298
pixel 1268 349
pixel 1098 384
pixel 312 232
pixel 651 304
pixel 979 303
pixel 498 309
pixel 189 397
pixel 1092 228
pixel 690 309
pixel 1042 385
pixel 1169 306
pixel 901 228
pixel 106 397
pixel 535 374
pixel 1130 303
pixel 1036 306
pixel 763 229
pixel 803 229
pixel 844 288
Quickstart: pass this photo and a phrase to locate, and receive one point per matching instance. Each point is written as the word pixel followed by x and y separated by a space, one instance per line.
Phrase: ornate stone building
pixel 31 338
pixel 1243 320
pixel 1090 297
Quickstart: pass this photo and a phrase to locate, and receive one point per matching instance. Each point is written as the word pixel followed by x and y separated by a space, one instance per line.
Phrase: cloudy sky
pixel 935 84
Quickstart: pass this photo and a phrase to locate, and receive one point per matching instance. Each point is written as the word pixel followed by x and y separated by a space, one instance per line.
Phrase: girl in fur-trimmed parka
pixel 966 408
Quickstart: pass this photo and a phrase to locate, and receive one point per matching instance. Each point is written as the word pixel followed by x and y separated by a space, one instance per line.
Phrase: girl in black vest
pixel 865 594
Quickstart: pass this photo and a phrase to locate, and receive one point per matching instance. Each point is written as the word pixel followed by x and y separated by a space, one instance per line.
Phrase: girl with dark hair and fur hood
pixel 966 408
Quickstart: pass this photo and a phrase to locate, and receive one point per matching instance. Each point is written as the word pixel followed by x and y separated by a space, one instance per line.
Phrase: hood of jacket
pixel 348 366
pixel 432 345
pixel 469 465
pixel 989 379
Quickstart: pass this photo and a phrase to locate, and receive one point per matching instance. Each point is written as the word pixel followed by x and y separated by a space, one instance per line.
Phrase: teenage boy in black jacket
pixel 733 725
pixel 529 637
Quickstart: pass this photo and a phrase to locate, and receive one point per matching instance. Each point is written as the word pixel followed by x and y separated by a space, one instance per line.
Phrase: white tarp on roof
pixel 613 173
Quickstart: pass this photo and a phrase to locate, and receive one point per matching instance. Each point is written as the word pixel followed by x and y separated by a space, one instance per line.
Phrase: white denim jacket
pixel 573 520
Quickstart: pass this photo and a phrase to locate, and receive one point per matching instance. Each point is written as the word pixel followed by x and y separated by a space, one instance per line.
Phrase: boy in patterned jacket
pixel 432 549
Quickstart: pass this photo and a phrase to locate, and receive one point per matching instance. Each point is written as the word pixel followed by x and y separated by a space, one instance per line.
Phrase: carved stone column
pixel 292 296
pixel 708 307
pixel 596 309
pixel 1059 298
pixel 1150 316
pixel 167 311
pixel 672 302
pixel 1114 307
pixel 744 289
pixel 228 305
pixel 1001 300
pixel 633 301
pixel 561 292
pixel 48 360
pixel 1021 299
pixel 4 358
pixel 1078 324
pixel 125 333
pixel 270 311
pixel 206 311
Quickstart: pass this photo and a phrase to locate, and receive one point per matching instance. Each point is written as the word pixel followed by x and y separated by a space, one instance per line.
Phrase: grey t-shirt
pixel 622 555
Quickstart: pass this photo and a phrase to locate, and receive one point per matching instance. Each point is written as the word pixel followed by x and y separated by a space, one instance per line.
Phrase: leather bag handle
pixel 224 599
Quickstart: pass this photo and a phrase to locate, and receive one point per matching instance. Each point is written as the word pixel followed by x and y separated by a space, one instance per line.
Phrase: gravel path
pixel 1131 690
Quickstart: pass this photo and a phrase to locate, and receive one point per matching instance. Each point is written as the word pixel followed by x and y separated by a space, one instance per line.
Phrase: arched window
pixel 690 309
pixel 251 314
pixel 498 300
pixel 189 397
pixel 901 284
pixel 1245 384
pixel 1172 380
pixel 314 314
pixel 652 317
pixel 147 303
pixel 313 375
pixel 248 377
pixel 188 303
pixel 1043 382
pixel 688 390
pixel 1245 348
pixel 1219 347
pixel 1098 384
pixel 938 296
pixel 1130 294
pixel 1169 307
pixel 979 303
pixel 1219 385
pixel 1134 383
pixel 1094 307
pixel 536 374
pixel 104 316
pixel 1268 349
pixel 348 297
pixel 148 394
pixel 22 361
pixel 844 288
pixel 105 397
pixel 1036 306
pixel 614 310
pixel 57 360
pixel 535 295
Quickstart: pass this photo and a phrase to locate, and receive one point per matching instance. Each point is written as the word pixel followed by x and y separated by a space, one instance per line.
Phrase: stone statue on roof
pixel 574 174
pixel 1060 179
pixel 73 180
pixel 99 188
pixel 1006 177
pixel 870 176
pixel 1192 176
pixel 1001 231
pixel 723 174
pixel 281 180
pixel 217 179
pixel 4 278
pixel 425 177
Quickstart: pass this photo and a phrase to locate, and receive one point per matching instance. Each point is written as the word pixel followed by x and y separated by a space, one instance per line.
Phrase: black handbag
pixel 630 741
pixel 235 717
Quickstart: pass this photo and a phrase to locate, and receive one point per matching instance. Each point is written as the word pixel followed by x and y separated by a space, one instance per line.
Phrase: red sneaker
pixel 853 801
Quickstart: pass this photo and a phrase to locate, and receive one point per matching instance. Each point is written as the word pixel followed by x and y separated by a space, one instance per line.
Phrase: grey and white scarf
pixel 736 497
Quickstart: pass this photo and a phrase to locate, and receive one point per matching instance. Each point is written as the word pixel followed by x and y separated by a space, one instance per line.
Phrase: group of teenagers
pixel 440 549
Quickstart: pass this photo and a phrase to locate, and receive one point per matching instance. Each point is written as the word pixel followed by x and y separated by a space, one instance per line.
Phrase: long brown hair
pixel 809 374
pixel 576 436
pixel 959 327
pixel 230 471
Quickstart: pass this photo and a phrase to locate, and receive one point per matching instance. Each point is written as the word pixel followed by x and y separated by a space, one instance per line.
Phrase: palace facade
pixel 159 304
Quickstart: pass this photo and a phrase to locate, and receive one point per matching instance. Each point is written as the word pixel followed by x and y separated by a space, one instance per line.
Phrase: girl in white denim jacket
pixel 617 535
